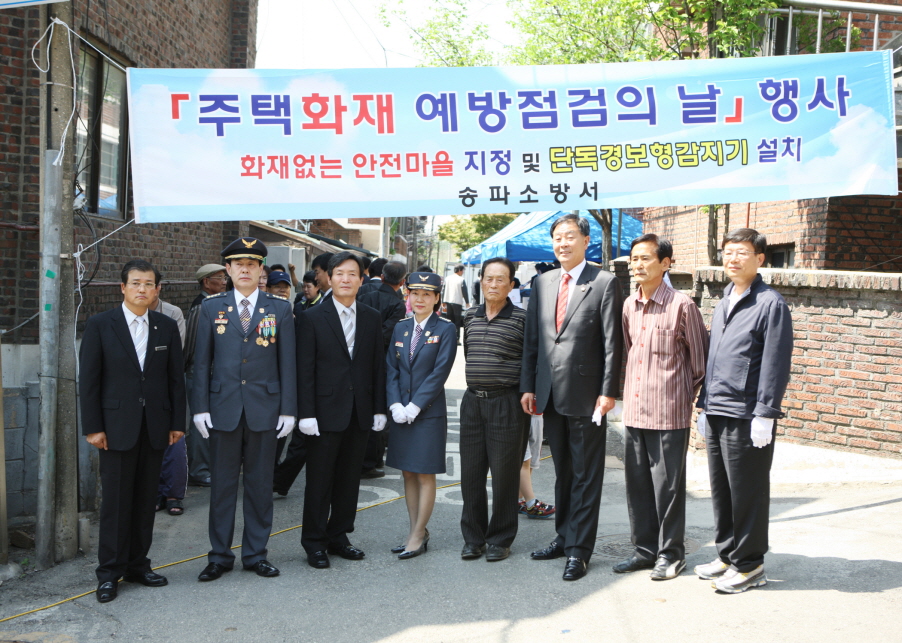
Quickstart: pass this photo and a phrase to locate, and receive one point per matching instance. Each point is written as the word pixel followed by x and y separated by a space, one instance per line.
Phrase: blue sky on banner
pixel 500 139
pixel 7 4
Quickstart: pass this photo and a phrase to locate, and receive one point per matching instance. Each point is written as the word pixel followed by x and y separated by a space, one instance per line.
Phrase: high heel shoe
pixel 398 549
pixel 404 555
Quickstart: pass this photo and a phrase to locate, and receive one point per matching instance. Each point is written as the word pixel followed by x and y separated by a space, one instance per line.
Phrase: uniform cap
pixel 245 248
pixel 424 281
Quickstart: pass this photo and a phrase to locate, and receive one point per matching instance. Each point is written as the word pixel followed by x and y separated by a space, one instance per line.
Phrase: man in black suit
pixel 341 396
pixel 132 392
pixel 244 398
pixel 571 373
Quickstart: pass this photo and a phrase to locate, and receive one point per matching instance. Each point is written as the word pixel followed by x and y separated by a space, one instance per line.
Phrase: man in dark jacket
pixel 132 407
pixel 383 298
pixel 747 373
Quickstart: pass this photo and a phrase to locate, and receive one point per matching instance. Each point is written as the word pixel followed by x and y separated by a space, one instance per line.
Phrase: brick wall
pixel 144 33
pixel 846 385
pixel 334 230
pixel 837 233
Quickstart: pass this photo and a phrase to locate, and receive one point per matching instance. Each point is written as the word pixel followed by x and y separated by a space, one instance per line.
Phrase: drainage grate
pixel 619 546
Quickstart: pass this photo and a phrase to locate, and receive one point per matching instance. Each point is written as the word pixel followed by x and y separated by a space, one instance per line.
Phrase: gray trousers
pixel 493 435
pixel 655 473
pixel 229 450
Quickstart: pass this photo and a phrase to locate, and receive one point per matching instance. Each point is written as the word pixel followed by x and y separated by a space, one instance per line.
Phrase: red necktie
pixel 562 298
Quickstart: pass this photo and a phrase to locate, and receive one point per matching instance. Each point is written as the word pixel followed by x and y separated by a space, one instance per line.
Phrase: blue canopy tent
pixel 528 238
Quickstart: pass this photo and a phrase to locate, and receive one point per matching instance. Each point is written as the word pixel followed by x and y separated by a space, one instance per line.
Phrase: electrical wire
pixel 186 560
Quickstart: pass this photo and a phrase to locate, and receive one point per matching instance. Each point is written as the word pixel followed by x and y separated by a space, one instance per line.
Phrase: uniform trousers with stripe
pixel 493 436
pixel 231 453
pixel 655 474
pixel 740 491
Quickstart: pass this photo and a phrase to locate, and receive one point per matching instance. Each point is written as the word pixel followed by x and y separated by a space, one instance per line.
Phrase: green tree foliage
pixel 466 231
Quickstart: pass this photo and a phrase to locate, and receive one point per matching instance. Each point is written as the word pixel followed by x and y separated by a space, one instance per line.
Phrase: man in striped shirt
pixel 666 345
pixel 493 427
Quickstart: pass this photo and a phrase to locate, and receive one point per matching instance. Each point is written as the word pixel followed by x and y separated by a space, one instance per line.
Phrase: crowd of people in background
pixel 351 374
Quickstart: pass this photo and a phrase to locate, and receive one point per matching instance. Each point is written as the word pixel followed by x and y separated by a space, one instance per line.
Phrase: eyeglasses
pixel 139 285
pixel 739 254
pixel 219 278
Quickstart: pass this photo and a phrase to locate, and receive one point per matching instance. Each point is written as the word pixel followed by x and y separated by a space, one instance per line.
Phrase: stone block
pixel 15 475
pixel 14 504
pixel 15 409
pixel 15 443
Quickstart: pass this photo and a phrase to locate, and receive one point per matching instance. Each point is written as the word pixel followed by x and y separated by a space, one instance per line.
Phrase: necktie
pixel 347 325
pixel 140 340
pixel 245 315
pixel 416 340
pixel 562 298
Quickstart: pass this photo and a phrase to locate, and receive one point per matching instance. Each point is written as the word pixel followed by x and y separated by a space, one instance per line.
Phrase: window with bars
pixel 101 136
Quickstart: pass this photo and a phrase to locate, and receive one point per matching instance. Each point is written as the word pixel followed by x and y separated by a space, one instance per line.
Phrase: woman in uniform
pixel 419 361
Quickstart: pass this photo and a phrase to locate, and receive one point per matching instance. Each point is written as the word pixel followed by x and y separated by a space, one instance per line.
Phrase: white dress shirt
pixel 130 318
pixel 352 310
pixel 574 277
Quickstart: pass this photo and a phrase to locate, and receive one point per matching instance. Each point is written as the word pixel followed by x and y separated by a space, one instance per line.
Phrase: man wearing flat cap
pixel 212 279
pixel 244 397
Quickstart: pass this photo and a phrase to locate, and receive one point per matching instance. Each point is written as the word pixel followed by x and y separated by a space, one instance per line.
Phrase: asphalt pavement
pixel 834 572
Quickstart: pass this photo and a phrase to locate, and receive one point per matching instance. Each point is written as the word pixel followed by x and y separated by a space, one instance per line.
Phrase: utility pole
pixel 57 510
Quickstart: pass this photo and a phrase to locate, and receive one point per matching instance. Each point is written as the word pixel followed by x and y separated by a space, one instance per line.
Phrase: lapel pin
pixel 231 309
pixel 405 333
pixel 583 289
pixel 261 310
pixel 428 333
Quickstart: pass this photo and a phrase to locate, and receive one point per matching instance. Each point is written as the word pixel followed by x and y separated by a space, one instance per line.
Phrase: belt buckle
pixel 482 393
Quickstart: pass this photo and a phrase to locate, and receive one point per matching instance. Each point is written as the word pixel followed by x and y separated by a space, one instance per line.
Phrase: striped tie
pixel 347 325
pixel 562 298
pixel 416 340
pixel 140 340
pixel 245 315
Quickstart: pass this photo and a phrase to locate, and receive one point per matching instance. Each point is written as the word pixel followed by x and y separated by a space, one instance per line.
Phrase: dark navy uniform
pixel 245 380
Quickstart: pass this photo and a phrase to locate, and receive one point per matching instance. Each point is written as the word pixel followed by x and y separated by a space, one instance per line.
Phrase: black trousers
pixel 128 495
pixel 375 449
pixel 578 449
pixel 740 491
pixel 655 473
pixel 456 315
pixel 230 452
pixel 287 471
pixel 493 436
pixel 333 483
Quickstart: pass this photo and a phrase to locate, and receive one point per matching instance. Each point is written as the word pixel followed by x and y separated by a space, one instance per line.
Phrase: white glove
pixel 379 422
pixel 397 413
pixel 286 424
pixel 203 423
pixel 411 411
pixel 596 416
pixel 309 426
pixel 762 431
pixel 702 425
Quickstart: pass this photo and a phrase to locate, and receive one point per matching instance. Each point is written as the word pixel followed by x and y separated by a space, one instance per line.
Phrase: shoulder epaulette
pixel 446 320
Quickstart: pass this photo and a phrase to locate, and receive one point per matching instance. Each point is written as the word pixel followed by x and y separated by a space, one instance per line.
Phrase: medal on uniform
pixel 259 340
pixel 220 329
pixel 266 331
pixel 428 333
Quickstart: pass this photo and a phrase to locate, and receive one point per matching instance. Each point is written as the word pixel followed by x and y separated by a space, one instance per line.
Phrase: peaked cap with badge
pixel 245 248
pixel 424 281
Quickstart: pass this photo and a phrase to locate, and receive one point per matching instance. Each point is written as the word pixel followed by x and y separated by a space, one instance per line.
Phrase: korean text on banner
pixel 15 4
pixel 211 145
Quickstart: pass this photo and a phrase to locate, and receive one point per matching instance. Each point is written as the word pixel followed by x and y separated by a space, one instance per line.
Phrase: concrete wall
pixel 20 420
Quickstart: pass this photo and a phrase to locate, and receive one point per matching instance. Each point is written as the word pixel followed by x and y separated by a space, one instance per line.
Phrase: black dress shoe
pixel 575 569
pixel 375 472
pixel 632 564
pixel 148 579
pixel 263 568
pixel 496 553
pixel 281 492
pixel 552 551
pixel 348 552
pixel 213 571
pixel 472 551
pixel 107 592
pixel 199 482
pixel 318 560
